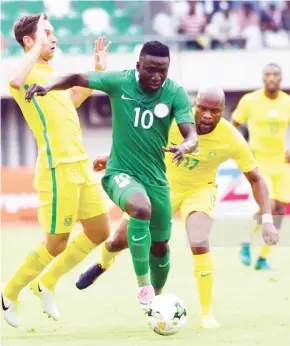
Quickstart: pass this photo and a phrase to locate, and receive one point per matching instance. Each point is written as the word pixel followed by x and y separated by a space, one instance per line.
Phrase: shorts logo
pixel 67 221
pixel 161 110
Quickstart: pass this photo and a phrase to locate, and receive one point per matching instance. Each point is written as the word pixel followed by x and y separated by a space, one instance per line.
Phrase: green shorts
pixel 120 187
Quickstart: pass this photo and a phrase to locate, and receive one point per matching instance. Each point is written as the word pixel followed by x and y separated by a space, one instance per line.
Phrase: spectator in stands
pixel 58 9
pixel 97 20
pixel 286 17
pixel 271 18
pixel 249 25
pixel 193 26
pixel 271 25
pixel 164 24
pixel 223 28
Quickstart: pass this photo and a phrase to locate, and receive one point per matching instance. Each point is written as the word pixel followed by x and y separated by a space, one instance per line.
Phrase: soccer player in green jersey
pixel 144 102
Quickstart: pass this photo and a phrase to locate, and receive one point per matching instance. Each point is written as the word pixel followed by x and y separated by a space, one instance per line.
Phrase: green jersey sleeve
pixel 107 82
pixel 182 109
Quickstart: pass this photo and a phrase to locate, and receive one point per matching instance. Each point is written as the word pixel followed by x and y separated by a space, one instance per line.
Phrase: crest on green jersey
pixel 161 110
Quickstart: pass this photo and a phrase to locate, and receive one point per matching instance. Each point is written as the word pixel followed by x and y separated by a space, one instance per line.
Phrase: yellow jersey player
pixel 193 193
pixel 64 179
pixel 267 112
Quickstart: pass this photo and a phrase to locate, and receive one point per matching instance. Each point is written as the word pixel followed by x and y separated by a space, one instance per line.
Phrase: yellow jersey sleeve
pixel 241 113
pixel 242 154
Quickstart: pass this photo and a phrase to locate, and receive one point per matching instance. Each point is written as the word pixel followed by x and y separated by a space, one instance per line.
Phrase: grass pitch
pixel 252 307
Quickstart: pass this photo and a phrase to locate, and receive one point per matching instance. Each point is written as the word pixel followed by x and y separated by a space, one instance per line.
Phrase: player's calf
pixel 159 265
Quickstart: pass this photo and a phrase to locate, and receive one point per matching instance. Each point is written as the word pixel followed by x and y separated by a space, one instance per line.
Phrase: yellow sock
pixel 266 249
pixel 34 264
pixel 257 229
pixel 107 258
pixel 75 253
pixel 203 272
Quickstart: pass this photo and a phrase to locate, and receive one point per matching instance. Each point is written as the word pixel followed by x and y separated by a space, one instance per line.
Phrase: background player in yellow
pixel 267 113
pixel 193 193
pixel 64 179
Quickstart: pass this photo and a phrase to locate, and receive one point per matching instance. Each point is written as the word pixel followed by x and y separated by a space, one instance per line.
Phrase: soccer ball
pixel 167 314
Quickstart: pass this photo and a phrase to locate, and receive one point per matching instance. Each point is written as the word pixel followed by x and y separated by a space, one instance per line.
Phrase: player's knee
pixel 56 248
pixel 142 212
pixel 118 244
pixel 159 249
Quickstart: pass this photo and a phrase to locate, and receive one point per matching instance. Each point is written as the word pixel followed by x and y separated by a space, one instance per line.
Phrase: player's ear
pixel 138 66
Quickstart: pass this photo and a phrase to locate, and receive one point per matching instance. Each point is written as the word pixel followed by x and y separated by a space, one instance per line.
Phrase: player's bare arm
pixel 235 123
pixel 261 195
pixel 22 69
pixel 80 94
pixel 189 145
pixel 100 162
pixel 62 83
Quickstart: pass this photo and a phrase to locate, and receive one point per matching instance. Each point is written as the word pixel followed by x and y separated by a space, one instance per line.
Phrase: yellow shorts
pixel 187 201
pixel 67 193
pixel 200 199
pixel 278 181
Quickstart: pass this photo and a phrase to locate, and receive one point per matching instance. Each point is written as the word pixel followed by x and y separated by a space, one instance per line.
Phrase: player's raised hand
pixel 41 35
pixel 35 90
pixel 101 54
pixel 270 234
pixel 100 162
pixel 178 151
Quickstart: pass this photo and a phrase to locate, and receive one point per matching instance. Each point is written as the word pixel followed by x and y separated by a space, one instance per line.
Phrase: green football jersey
pixel 141 123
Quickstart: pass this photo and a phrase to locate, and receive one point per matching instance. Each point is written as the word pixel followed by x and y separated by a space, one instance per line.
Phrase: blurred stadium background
pixel 226 43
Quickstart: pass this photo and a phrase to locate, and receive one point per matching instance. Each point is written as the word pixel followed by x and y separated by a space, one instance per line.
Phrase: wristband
pixel 267 218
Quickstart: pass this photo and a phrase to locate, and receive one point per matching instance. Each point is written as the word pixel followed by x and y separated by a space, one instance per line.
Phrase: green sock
pixel 139 242
pixel 159 269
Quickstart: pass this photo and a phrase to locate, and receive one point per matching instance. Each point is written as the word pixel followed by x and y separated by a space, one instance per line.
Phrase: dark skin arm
pixel 63 83
pixel 189 145
pixel 261 195
pixel 235 123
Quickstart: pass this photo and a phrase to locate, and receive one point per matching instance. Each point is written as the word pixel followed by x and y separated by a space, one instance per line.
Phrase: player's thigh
pixel 161 212
pixel 92 201
pixel 199 200
pixel 176 199
pixel 281 184
pixel 58 198
pixel 120 187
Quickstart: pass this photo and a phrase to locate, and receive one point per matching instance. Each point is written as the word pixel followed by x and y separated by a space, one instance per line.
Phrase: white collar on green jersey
pixel 137 78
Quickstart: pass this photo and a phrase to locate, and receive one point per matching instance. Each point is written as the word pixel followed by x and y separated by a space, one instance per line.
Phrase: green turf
pixel 253 307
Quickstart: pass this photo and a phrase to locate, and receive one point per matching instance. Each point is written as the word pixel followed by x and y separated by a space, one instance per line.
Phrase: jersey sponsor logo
pixel 138 239
pixel 211 154
pixel 161 110
pixel 123 97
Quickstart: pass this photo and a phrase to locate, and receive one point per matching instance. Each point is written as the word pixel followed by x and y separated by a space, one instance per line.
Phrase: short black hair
pixel 272 64
pixel 26 26
pixel 155 48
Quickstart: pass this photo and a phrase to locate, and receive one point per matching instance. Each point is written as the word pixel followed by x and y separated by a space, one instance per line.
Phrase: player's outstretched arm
pixel 261 195
pixel 79 94
pixel 189 145
pixel 22 69
pixel 62 83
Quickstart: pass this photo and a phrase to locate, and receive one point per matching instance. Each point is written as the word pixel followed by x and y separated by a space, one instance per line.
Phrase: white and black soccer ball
pixel 167 314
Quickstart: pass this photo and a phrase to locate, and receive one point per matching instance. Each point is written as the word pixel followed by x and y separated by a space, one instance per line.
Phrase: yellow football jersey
pixel 223 143
pixel 53 120
pixel 268 121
